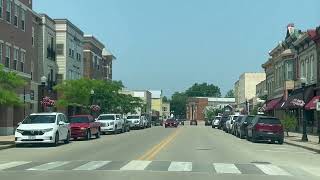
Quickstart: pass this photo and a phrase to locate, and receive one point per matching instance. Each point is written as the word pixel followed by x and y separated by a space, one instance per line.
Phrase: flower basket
pixel 95 108
pixel 47 102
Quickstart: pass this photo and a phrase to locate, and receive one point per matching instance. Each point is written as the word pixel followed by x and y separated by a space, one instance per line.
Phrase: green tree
pixel 9 82
pixel 230 94
pixel 165 99
pixel 178 103
pixel 289 122
pixel 203 90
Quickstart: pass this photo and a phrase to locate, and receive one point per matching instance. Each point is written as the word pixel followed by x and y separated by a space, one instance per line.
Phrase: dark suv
pixel 241 130
pixel 265 128
pixel 222 123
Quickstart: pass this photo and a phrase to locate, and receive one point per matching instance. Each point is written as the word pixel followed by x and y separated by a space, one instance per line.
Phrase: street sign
pixel 318 106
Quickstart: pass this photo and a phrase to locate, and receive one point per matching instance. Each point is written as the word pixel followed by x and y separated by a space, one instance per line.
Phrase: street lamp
pixel 91 99
pixel 303 82
pixel 43 85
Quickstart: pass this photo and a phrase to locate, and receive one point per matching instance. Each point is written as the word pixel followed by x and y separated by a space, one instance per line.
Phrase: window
pixel 16 58
pixel 8 11
pixel 1 9
pixel 70 52
pixel 23 19
pixel 289 74
pixel 32 37
pixel 60 49
pixel 302 70
pixel 15 19
pixel 308 68
pixel 22 60
pixel 8 55
pixel 313 65
pixel 79 57
pixel 1 51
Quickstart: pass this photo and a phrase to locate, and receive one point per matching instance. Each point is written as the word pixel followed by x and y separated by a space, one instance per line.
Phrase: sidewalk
pixel 294 139
pixel 6 142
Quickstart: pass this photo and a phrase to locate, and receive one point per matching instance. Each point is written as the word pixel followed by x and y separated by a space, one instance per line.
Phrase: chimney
pixel 290 28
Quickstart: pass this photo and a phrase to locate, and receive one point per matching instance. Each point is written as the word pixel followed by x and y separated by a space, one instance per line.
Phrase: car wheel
pixel 123 129
pixel 75 138
pixel 56 139
pixel 253 139
pixel 88 135
pixel 98 134
pixel 68 138
pixel 280 141
pixel 248 138
pixel 240 135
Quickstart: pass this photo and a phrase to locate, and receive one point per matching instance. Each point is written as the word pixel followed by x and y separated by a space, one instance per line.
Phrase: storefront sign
pixel 298 102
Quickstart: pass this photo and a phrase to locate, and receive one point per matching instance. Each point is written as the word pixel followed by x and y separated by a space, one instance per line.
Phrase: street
pixel 188 152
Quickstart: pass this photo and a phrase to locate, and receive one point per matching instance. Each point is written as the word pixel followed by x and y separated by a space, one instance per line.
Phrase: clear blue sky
pixel 171 44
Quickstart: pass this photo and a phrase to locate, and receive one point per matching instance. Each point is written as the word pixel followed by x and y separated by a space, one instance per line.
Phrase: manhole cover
pixel 260 162
pixel 204 149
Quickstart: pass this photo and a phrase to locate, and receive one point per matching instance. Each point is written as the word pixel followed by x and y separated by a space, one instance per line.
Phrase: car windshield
pixel 78 119
pixel 234 117
pixel 269 121
pixel 170 120
pixel 248 119
pixel 133 117
pixel 106 117
pixel 40 119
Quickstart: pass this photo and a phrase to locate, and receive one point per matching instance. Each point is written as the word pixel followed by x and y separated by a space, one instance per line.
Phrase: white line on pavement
pixel 12 164
pixel 92 165
pixel 180 166
pixel 223 168
pixel 136 165
pixel 48 166
pixel 272 170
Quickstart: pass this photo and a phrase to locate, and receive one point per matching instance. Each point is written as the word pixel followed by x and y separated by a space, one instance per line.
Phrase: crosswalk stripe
pixel 48 166
pixel 12 164
pixel 92 165
pixel 136 165
pixel 180 166
pixel 223 168
pixel 272 170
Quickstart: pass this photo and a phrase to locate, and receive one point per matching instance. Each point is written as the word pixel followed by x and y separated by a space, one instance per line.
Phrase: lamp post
pixel 91 99
pixel 304 120
pixel 43 85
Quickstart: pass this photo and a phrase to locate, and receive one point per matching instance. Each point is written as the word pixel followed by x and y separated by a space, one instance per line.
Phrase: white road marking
pixel 280 151
pixel 136 165
pixel 12 164
pixel 313 171
pixel 48 166
pixel 272 170
pixel 223 168
pixel 180 166
pixel 92 165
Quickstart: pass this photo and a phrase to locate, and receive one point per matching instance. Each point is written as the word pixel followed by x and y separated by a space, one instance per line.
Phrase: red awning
pixel 313 103
pixel 272 104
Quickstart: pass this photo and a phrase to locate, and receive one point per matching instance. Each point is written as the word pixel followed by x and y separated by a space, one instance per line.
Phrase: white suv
pixel 43 128
pixel 136 121
pixel 111 123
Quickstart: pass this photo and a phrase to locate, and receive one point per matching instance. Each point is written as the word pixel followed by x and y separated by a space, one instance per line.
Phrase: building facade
pixel 145 96
pixel 166 113
pixel 69 45
pixel 108 59
pixel 156 102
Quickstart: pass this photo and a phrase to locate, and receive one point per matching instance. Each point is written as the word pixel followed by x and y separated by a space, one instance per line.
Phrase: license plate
pixel 270 132
pixel 31 137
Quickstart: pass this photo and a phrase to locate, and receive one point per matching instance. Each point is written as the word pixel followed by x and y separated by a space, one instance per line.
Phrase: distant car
pixel 127 125
pixel 265 128
pixel 181 121
pixel 193 122
pixel 136 121
pixel 111 123
pixel 207 122
pixel 84 126
pixel 222 123
pixel 171 123
pixel 215 122
pixel 230 122
pixel 241 130
pixel 156 121
pixel 236 124
pixel 148 122
pixel 43 128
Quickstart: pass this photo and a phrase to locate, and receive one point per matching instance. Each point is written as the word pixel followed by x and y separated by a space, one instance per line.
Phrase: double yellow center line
pixel 149 155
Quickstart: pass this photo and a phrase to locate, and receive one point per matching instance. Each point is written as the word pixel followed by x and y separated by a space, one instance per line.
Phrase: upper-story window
pixel 8 11
pixel 308 66
pixel 302 69
pixel 32 36
pixel 1 51
pixel 22 60
pixel 313 66
pixel 15 18
pixel 16 58
pixel 8 56
pixel 289 70
pixel 23 19
pixel 1 9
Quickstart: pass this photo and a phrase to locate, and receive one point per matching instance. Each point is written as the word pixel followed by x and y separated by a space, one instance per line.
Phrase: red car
pixel 84 126
pixel 171 123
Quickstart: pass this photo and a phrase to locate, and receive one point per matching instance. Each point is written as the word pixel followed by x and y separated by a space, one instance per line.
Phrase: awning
pixel 272 104
pixel 295 100
pixel 313 103
pixel 280 104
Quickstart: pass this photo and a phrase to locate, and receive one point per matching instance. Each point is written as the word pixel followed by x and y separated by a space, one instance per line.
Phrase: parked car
pixel 215 122
pixel 84 126
pixel 111 123
pixel 222 123
pixel 171 123
pixel 207 122
pixel 265 128
pixel 181 121
pixel 193 122
pixel 136 121
pixel 241 130
pixel 147 122
pixel 236 124
pixel 43 128
pixel 127 125
pixel 156 121
pixel 230 122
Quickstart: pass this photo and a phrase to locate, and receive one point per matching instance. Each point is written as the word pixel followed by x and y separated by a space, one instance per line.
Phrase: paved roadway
pixel 158 153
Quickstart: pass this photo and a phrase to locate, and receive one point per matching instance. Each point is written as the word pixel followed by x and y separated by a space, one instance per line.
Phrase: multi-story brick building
pixel 108 58
pixel 69 45
pixel 19 53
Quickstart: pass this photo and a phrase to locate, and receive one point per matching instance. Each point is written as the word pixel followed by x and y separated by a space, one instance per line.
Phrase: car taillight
pixel 259 126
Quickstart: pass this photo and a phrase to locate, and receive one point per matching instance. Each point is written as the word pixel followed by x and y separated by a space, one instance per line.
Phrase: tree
pixel 178 103
pixel 230 94
pixel 165 99
pixel 289 122
pixel 203 90
pixel 9 82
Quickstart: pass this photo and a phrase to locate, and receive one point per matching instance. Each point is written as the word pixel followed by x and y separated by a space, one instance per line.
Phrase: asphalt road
pixel 188 152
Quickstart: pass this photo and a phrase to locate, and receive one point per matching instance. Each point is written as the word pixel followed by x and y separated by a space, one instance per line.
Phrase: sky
pixel 172 44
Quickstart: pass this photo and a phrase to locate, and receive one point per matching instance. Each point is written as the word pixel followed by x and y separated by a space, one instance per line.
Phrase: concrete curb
pixel 304 147
pixel 2 147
